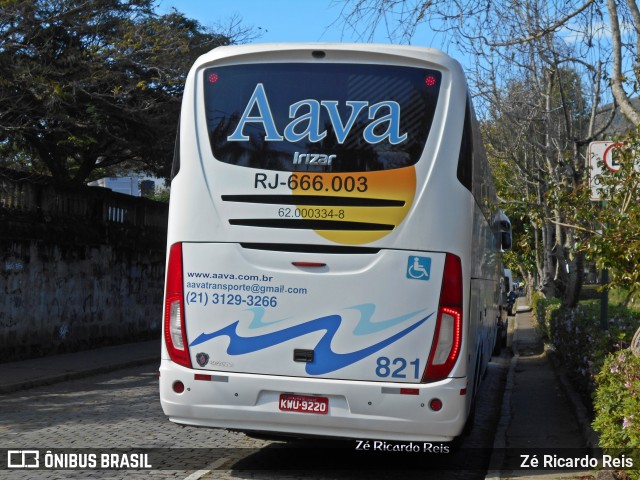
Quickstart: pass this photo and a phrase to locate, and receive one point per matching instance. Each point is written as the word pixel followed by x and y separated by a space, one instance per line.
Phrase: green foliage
pixel 614 224
pixel 517 200
pixel 532 146
pixel 578 339
pixel 621 296
pixel 600 366
pixel 91 84
pixel 160 195
pixel 617 405
pixel 583 345
pixel 543 309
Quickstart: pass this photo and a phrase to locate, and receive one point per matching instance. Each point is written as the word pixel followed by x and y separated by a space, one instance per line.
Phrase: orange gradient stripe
pixel 397 184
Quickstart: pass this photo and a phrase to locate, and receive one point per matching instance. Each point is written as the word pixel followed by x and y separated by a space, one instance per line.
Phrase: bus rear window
pixel 319 117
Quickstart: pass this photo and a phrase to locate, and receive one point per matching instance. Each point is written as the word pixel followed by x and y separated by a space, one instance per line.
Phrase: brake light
pixel 175 337
pixel 309 264
pixel 447 338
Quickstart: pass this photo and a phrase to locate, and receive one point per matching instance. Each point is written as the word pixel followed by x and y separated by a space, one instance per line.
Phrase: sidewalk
pixel 540 410
pixel 59 368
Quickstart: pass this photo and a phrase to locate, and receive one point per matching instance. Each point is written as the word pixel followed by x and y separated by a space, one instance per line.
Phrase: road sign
pixel 606 152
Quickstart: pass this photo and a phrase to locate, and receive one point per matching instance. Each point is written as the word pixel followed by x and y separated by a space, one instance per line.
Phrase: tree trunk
pixel 548 286
pixel 626 107
pixel 574 281
pixel 635 343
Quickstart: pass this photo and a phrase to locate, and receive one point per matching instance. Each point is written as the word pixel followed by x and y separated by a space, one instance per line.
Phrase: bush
pixel 618 296
pixel 580 342
pixel 617 405
pixel 601 367
pixel 584 345
pixel 543 309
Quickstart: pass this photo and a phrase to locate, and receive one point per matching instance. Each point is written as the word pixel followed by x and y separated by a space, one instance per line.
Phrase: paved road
pixel 121 410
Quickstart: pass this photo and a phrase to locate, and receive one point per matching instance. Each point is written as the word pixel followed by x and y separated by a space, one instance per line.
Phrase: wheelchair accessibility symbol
pixel 419 268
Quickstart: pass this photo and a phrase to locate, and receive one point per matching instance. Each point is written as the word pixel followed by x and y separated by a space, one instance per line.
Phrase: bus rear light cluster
pixel 175 324
pixel 447 337
pixel 175 336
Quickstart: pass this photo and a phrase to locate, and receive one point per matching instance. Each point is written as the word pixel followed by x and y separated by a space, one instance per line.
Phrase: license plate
pixel 303 404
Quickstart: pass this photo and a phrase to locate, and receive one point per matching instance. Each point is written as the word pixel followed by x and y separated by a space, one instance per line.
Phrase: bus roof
pixel 263 49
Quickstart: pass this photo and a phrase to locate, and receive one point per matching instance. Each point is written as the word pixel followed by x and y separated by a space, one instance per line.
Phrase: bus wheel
pixel 497 346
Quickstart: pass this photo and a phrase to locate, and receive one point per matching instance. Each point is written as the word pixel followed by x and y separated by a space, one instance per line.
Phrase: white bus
pixel 333 263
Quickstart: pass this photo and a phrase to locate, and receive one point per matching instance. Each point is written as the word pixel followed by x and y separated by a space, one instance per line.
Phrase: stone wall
pixel 79 267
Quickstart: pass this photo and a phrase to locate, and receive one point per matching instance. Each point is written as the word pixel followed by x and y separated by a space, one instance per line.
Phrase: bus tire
pixel 497 346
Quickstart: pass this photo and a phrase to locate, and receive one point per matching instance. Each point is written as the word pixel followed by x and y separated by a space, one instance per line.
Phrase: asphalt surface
pixel 540 413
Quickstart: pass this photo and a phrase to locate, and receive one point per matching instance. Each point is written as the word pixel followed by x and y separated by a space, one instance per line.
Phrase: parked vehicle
pixel 511 301
pixel 334 245
pixel 509 291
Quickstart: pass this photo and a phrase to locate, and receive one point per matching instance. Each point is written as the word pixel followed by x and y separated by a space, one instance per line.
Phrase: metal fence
pixel 26 195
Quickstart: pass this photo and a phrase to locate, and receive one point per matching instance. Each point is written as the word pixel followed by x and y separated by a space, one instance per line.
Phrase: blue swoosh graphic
pixel 256 321
pixel 365 326
pixel 326 360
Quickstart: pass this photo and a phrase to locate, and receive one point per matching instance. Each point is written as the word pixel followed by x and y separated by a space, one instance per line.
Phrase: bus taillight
pixel 447 338
pixel 174 327
pixel 430 80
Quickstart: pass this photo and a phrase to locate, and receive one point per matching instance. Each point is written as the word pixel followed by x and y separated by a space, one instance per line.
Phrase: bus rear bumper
pixel 357 410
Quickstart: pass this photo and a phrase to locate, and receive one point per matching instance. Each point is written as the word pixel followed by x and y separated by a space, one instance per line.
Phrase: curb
pixel 74 375
pixel 500 437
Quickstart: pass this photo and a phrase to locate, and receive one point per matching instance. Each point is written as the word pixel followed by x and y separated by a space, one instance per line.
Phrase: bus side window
pixel 175 166
pixel 465 159
pixel 504 227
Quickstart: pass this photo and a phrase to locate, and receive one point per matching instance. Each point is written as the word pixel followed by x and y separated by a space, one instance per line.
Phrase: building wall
pixel 79 267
